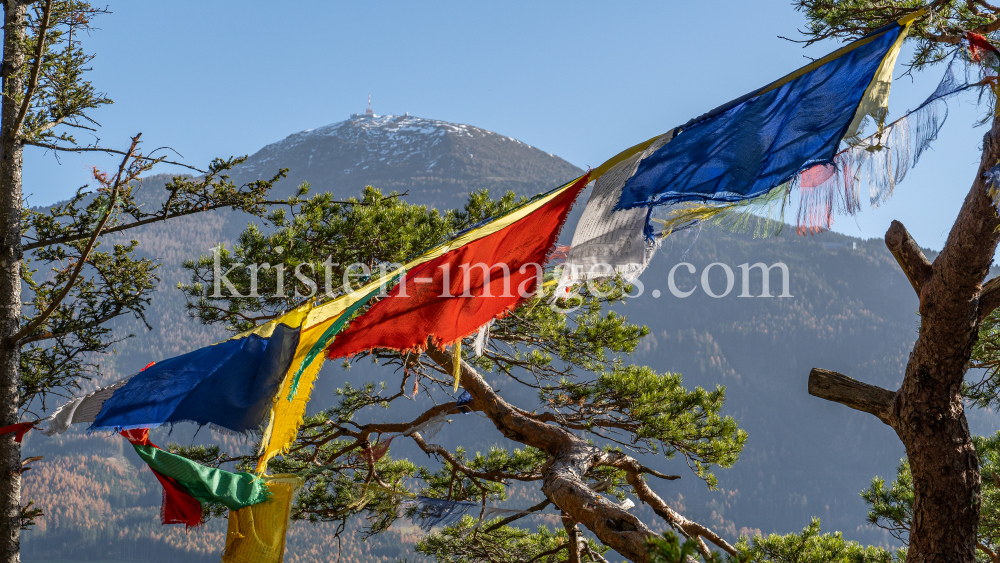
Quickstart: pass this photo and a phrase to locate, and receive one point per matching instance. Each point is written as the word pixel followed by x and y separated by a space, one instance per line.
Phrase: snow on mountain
pixel 438 162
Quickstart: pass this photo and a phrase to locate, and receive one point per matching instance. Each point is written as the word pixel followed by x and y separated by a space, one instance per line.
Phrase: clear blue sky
pixel 582 80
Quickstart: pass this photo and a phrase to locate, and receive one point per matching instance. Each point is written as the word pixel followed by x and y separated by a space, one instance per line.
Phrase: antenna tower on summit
pixel 368 112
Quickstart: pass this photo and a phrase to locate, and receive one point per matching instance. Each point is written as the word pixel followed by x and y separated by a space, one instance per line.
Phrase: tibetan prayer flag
pixel 428 513
pixel 229 385
pixel 751 145
pixel 289 404
pixel 18 430
pixel 609 242
pixel 178 506
pixel 204 484
pixel 257 534
pixel 84 409
pixel 476 277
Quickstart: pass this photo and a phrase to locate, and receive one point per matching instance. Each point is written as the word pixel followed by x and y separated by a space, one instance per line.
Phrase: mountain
pixel 437 162
pixel 100 502
pixel 851 310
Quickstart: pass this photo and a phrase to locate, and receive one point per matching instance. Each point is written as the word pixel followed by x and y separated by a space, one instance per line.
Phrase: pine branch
pixel 104 150
pixel 35 70
pixel 164 217
pixel 37 321
pixel 128 226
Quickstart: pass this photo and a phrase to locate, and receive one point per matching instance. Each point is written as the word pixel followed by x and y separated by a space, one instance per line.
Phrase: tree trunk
pixel 15 16
pixel 927 411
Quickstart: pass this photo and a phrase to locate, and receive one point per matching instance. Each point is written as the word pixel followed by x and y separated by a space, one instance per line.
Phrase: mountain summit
pixel 438 162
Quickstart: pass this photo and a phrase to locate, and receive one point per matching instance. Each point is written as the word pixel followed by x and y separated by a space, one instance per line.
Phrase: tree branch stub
pixel 989 298
pixel 860 396
pixel 907 253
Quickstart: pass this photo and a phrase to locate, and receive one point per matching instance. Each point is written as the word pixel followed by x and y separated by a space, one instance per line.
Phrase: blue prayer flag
pixel 760 141
pixel 228 385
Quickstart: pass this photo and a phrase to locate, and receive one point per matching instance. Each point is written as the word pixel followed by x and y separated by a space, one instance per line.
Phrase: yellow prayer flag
pixel 256 534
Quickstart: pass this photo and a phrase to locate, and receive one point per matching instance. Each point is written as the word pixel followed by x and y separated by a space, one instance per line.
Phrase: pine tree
pixel 891 506
pixel 53 324
pixel 927 411
pixel 578 450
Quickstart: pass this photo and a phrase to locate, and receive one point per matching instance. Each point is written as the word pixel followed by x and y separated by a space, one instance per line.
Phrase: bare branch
pixel 494 475
pixel 518 516
pixel 863 397
pixel 37 321
pixel 563 481
pixel 52 124
pixel 905 250
pixel 688 527
pixel 594 556
pixel 401 427
pixel 574 539
pixel 547 553
pixel 104 150
pixel 631 464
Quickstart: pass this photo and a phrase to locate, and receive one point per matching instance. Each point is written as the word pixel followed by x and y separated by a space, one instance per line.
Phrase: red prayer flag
pixel 18 430
pixel 138 437
pixel 450 297
pixel 979 45
pixel 178 506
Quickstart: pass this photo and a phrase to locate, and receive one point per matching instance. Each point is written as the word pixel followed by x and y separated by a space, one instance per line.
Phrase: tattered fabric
pixel 430 513
pixel 205 484
pixel 177 506
pixel 429 428
pixel 84 409
pixel 257 534
pixel 609 242
pixel 882 159
pixel 289 404
pixel 756 143
pixel 450 297
pixel 229 385
pixel 18 430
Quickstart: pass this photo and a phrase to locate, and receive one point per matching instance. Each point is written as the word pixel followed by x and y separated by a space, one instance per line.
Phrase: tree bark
pixel 907 252
pixel 927 411
pixel 863 397
pixel 15 18
pixel 989 298
pixel 574 538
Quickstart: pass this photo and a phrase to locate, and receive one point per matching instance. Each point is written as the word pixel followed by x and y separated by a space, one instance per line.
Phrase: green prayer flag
pixel 206 484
